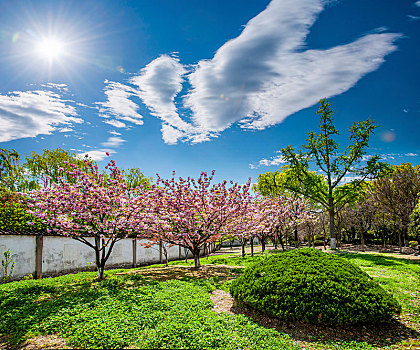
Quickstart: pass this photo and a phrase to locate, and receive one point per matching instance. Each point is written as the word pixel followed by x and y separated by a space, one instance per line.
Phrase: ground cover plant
pixel 127 310
pixel 170 307
pixel 315 287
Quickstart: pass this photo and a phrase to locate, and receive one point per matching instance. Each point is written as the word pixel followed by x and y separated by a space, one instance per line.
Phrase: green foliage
pixel 135 178
pixel 127 311
pixel 5 264
pixel 314 287
pixel 14 217
pixel 207 330
pixel 414 227
pixel 46 168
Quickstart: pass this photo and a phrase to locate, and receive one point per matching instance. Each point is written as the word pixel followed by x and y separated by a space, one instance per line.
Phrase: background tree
pixel 414 227
pixel 45 169
pixel 323 151
pixel 361 214
pixel 397 194
pixel 12 173
pixel 91 205
pixel 135 178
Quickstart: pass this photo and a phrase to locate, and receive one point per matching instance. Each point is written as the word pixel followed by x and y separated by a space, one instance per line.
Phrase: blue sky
pixel 194 86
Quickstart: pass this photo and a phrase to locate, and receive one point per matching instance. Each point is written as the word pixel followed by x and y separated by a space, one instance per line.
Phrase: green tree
pixel 414 227
pixel 135 178
pixel 46 168
pixel 397 195
pixel 323 151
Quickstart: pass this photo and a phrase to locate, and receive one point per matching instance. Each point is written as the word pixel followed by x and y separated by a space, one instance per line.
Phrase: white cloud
pixel 413 18
pixel 411 154
pixel 263 76
pixel 66 130
pixel 113 141
pixel 97 154
pixel 269 162
pixel 417 3
pixel 115 133
pixel 31 113
pixel 118 103
pixel 158 84
pixel 260 77
pixel 115 123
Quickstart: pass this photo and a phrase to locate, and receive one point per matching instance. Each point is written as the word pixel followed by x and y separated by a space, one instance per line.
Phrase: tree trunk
pixel 333 243
pixel 263 245
pixel 399 240
pixel 165 252
pixel 252 246
pixel 243 247
pixel 99 265
pixel 281 243
pixel 406 240
pixel 362 240
pixel 296 237
pixel 196 254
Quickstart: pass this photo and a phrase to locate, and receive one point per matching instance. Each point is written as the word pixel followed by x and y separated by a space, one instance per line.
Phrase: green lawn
pixel 132 310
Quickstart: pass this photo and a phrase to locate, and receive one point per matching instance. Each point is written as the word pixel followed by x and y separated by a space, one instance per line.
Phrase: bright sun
pixel 50 48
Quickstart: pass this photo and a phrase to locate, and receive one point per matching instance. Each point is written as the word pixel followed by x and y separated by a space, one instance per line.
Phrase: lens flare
pixel 15 37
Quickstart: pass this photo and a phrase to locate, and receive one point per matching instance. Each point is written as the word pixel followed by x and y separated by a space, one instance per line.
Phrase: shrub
pixel 314 287
pixel 14 217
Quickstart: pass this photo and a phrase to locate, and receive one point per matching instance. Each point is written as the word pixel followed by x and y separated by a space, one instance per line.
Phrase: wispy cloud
pixel 417 3
pixel 113 142
pixel 118 104
pixel 97 154
pixel 31 113
pixel 263 76
pixel 273 161
pixel 158 84
pixel 115 133
pixel 413 18
pixel 115 123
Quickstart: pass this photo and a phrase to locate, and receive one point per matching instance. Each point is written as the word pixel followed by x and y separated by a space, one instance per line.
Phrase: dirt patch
pixel 222 272
pixel 222 301
pixel 40 342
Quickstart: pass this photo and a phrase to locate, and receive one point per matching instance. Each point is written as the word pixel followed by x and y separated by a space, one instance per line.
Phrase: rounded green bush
pixel 315 287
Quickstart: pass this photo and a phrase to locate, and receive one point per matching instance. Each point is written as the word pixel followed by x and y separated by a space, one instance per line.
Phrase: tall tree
pixel 135 178
pixel 398 194
pixel 46 168
pixel 12 176
pixel 91 205
pixel 323 152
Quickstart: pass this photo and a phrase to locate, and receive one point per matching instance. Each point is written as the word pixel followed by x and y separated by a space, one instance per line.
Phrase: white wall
pixel 61 254
pixel 22 249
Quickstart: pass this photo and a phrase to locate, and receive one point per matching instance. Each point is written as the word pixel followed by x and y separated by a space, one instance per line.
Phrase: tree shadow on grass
pixel 381 260
pixel 216 273
pixel 380 335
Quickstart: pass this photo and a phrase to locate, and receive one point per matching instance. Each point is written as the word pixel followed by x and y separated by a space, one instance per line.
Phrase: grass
pixel 155 307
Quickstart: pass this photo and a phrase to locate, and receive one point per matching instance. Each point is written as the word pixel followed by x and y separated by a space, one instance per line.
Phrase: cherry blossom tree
pixel 94 204
pixel 274 217
pixel 192 213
